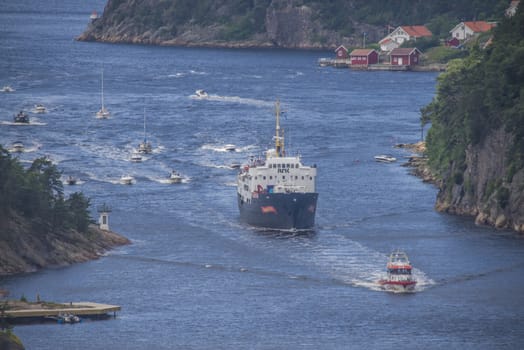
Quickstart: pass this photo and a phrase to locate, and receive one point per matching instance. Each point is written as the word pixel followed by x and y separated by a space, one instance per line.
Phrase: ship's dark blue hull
pixel 280 210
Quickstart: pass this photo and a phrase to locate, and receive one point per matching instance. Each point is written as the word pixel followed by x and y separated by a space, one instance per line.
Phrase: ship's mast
pixel 279 140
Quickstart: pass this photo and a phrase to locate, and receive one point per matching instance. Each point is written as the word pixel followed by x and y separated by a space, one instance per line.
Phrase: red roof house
pixel 405 56
pixel 341 52
pixel 402 34
pixel 363 57
pixel 465 30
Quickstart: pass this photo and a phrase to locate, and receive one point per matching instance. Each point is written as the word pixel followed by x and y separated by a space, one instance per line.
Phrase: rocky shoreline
pixel 25 251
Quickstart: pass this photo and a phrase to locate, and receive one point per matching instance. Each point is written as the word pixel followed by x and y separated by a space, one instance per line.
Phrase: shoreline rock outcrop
pixel 24 251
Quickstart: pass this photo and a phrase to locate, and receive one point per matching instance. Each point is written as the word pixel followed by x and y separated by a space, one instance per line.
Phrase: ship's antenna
pixel 279 141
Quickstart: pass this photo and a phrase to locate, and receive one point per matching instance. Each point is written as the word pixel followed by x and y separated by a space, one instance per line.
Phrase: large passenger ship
pixel 278 191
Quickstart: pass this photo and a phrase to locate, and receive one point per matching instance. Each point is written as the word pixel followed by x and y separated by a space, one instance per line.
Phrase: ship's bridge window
pixel 283 177
pixel 256 177
pixel 264 177
pixel 270 177
pixel 310 178
pixel 296 166
pixel 279 165
pixel 292 166
pixel 302 177
pixel 288 165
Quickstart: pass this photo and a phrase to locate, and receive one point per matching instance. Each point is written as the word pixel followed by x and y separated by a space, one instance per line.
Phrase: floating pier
pixel 40 312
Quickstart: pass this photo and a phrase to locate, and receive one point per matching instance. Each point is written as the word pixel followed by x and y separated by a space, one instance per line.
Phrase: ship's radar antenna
pixel 279 140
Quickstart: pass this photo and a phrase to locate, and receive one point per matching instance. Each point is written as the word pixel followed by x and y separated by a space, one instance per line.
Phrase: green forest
pixel 37 194
pixel 476 95
pixel 243 19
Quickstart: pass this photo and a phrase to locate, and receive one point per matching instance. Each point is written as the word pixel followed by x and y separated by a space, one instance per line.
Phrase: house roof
pixel 403 51
pixel 417 31
pixel 361 52
pixel 479 26
pixel 341 47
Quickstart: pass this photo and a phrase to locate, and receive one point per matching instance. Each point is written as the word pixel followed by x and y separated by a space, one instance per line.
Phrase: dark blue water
pixel 196 278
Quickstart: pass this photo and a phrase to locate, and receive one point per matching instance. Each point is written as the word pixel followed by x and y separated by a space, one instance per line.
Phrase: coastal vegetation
pixel 476 140
pixel 279 23
pixel 39 226
pixel 37 194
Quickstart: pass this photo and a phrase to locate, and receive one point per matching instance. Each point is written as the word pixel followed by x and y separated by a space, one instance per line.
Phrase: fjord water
pixel 197 278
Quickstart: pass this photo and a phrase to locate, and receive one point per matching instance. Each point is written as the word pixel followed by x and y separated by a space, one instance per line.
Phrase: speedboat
pixel 40 108
pixel 201 94
pixel 230 147
pixel 234 165
pixel 136 157
pixel 68 318
pixel 385 158
pixel 17 147
pixel 21 117
pixel 175 177
pixel 126 180
pixel 399 277
pixel 71 180
pixel 7 88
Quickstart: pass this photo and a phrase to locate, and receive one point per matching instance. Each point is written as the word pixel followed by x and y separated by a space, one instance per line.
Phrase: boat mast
pixel 102 93
pixel 279 140
pixel 144 125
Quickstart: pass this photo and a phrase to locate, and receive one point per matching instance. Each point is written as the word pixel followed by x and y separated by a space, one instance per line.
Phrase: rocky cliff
pixel 22 250
pixel 264 23
pixel 483 187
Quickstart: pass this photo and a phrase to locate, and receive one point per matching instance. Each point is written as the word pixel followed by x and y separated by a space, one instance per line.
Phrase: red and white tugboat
pixel 399 276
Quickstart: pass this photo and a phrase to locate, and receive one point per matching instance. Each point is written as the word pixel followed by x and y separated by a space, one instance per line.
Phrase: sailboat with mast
pixel 103 113
pixel 145 146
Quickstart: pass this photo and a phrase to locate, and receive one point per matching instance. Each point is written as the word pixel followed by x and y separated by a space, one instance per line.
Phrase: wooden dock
pixel 81 309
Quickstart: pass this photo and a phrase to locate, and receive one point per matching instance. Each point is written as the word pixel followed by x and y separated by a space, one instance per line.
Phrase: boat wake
pixel 33 123
pixel 233 99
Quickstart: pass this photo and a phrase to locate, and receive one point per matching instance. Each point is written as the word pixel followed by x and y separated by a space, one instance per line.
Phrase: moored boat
pixel 21 117
pixel 277 192
pixel 399 273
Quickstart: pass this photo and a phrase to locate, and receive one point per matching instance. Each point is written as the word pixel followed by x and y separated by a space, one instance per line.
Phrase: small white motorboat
pixel 136 157
pixel 201 94
pixel 399 277
pixel 230 147
pixel 234 165
pixel 126 180
pixel 39 108
pixel 17 147
pixel 175 177
pixel 385 158
pixel 7 88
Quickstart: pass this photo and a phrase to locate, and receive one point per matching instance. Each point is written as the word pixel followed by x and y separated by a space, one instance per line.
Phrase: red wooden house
pixel 341 52
pixel 363 57
pixel 405 56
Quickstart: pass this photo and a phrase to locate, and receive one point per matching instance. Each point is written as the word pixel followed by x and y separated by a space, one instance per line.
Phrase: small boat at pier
pixel 399 273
